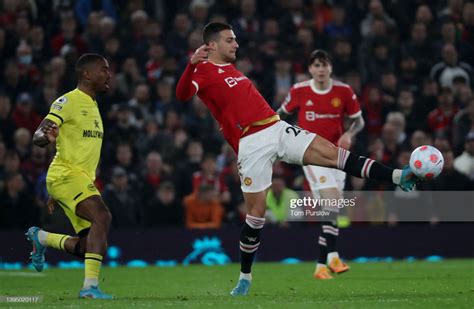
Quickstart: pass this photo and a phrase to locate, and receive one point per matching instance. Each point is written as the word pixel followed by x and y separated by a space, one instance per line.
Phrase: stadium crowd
pixel 164 162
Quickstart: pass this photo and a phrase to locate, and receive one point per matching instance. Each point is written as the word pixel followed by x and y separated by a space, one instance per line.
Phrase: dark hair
pixel 211 31
pixel 320 55
pixel 84 61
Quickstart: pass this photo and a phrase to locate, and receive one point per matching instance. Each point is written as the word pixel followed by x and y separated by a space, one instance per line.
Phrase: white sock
pixel 319 266
pixel 88 282
pixel 246 276
pixel 42 237
pixel 396 176
pixel 332 255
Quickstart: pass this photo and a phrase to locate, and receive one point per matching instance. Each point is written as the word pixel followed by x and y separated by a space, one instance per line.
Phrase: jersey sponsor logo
pixel 93 134
pixel 248 181
pixel 220 71
pixel 336 102
pixel 309 103
pixel 232 81
pixel 312 116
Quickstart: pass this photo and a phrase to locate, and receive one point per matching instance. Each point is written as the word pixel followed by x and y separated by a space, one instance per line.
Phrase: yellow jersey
pixel 79 142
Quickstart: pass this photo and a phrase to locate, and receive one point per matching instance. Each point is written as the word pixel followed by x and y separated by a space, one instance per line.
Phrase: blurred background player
pixel 75 124
pixel 257 135
pixel 323 103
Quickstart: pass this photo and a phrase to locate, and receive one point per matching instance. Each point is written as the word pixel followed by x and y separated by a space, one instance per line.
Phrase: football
pixel 426 162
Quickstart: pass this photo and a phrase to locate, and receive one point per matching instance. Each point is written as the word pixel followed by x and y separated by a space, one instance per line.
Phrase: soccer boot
pixel 322 274
pixel 408 179
pixel 37 253
pixel 242 288
pixel 93 293
pixel 336 265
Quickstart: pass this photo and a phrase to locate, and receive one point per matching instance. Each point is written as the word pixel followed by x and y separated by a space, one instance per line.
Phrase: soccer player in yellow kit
pixel 75 124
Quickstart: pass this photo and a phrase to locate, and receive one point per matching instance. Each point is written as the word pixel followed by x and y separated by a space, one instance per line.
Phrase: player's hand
pixel 51 204
pixel 200 54
pixel 345 141
pixel 51 131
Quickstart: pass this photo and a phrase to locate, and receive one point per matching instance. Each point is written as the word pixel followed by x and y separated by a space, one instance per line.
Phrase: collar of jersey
pixel 85 94
pixel 219 65
pixel 325 91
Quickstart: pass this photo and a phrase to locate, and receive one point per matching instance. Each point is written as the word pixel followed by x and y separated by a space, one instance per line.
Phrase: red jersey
pixel 230 96
pixel 322 112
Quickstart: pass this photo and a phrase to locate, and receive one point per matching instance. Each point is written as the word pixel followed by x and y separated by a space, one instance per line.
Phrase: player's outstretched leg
pixel 323 153
pixel 40 240
pixel 250 240
pixel 322 271
pixel 94 210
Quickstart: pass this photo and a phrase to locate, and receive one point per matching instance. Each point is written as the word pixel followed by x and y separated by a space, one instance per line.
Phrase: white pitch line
pixel 20 274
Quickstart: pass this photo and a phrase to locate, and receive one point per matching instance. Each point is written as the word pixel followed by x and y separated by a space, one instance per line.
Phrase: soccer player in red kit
pixel 259 137
pixel 322 104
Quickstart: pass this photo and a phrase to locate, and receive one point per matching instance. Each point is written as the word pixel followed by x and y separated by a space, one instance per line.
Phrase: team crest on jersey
pixel 248 181
pixel 336 102
pixel 322 179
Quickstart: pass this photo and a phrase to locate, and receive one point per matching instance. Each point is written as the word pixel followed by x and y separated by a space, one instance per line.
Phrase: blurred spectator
pixel 278 201
pixel 122 200
pixel 140 105
pixel 7 125
pixel 163 209
pixel 209 175
pixel 17 209
pixel 463 123
pixel 202 209
pixel 419 46
pixel 338 27
pixel 465 162
pixel 177 37
pixel 84 8
pixel 449 68
pixel 68 36
pixel 129 77
pixel 376 11
pixel 440 119
pixel 22 138
pixel 24 115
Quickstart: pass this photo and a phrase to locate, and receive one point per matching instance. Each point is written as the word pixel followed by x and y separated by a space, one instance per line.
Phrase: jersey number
pixel 293 129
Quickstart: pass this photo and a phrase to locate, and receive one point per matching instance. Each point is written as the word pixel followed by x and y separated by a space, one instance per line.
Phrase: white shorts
pixel 320 177
pixel 258 152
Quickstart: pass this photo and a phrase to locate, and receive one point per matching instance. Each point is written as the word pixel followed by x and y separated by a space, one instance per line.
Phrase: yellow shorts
pixel 68 191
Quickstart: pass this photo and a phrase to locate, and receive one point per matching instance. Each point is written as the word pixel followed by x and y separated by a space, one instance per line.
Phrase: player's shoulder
pixel 302 85
pixel 339 84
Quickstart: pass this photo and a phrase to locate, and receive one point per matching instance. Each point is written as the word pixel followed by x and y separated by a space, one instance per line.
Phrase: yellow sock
pixel 56 241
pixel 92 265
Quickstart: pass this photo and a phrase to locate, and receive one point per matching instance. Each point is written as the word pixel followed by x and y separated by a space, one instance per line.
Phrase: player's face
pixel 320 71
pixel 226 46
pixel 100 76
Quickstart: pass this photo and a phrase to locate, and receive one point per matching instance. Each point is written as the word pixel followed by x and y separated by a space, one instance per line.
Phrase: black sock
pixel 249 242
pixel 330 233
pixel 363 167
pixel 323 251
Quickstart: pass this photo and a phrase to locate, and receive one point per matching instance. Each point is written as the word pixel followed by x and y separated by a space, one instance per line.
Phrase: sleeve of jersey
pixel 290 103
pixel 352 105
pixel 188 84
pixel 60 111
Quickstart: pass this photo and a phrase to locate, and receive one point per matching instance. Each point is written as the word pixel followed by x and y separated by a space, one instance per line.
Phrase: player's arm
pixel 186 89
pixel 46 133
pixel 288 106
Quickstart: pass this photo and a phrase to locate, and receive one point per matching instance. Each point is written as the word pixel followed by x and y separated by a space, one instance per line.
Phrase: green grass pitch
pixel 445 284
